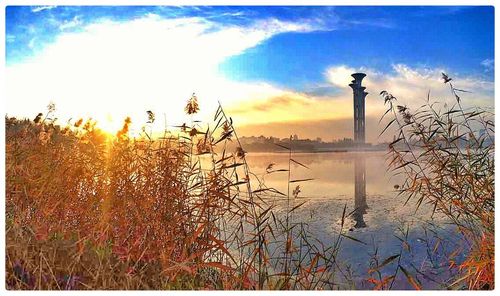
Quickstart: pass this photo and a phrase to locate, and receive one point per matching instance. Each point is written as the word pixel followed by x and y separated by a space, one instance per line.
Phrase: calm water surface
pixel 360 181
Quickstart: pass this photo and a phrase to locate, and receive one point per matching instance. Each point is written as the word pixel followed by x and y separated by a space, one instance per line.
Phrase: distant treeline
pixel 273 144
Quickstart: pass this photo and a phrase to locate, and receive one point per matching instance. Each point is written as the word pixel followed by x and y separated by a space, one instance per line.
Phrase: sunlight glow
pixel 114 67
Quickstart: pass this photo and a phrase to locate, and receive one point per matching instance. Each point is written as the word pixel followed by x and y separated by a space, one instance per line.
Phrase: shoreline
pixel 317 151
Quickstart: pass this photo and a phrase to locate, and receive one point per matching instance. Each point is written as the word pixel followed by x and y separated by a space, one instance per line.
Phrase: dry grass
pixel 89 211
pixel 446 155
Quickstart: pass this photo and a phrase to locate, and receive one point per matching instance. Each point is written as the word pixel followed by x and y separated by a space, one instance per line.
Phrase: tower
pixel 359 107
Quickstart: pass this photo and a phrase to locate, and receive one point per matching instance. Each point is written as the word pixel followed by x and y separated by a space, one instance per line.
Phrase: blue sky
pixel 376 37
pixel 256 54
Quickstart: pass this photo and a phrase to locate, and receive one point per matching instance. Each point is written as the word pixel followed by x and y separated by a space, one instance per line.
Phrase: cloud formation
pixel 411 85
pixel 69 24
pixel 42 8
pixel 148 63
pixel 488 64
pixel 111 69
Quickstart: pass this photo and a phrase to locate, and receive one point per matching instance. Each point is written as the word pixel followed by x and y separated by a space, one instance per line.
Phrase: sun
pixel 109 124
pixel 112 125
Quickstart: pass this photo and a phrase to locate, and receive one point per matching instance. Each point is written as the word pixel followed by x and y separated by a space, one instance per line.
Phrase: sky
pixel 276 70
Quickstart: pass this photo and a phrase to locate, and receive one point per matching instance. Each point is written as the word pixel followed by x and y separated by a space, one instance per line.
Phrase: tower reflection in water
pixel 360 205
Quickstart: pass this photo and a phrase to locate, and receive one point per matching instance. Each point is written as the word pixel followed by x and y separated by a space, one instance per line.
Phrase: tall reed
pixel 446 154
pixel 86 210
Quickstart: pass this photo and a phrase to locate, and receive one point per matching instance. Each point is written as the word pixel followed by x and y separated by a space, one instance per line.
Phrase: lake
pixel 361 182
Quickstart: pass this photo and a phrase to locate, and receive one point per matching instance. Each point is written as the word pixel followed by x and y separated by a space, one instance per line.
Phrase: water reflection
pixel 333 174
pixel 337 177
pixel 360 205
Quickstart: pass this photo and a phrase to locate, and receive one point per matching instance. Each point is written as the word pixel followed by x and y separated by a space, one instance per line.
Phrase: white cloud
pixel 70 24
pixel 488 64
pixel 31 44
pixel 10 38
pixel 126 68
pixel 379 23
pixel 42 8
pixel 411 86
